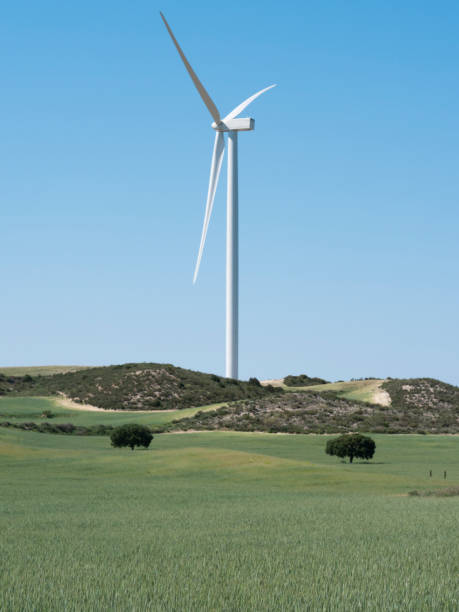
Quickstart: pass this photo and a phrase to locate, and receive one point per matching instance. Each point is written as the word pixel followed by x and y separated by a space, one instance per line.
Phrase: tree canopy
pixel 351 445
pixel 131 435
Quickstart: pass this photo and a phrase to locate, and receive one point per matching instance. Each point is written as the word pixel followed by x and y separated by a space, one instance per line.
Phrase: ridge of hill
pixel 40 370
pixel 303 380
pixel 327 412
pixel 403 393
pixel 365 389
pixel 136 386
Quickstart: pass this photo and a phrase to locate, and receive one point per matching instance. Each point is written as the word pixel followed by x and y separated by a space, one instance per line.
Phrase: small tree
pixel 131 435
pixel 351 445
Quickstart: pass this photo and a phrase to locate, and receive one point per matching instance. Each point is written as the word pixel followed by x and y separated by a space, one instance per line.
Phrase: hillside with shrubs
pixel 312 412
pixel 427 394
pixel 421 405
pixel 137 386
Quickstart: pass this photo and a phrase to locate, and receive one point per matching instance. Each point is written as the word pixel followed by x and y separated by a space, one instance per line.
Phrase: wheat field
pixel 225 521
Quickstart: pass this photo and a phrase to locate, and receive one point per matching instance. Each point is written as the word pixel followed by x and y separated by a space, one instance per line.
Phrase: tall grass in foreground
pixel 223 522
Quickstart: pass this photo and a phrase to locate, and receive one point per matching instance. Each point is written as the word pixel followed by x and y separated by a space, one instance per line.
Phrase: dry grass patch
pixel 446 492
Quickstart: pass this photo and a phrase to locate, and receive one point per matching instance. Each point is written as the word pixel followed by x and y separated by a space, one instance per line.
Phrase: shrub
pixel 131 435
pixel 66 428
pixel 303 380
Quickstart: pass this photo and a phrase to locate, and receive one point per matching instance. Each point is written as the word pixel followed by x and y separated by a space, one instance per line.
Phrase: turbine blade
pixel 217 158
pixel 199 86
pixel 236 111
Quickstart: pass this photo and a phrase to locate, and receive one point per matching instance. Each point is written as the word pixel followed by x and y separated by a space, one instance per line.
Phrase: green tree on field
pixel 351 445
pixel 131 435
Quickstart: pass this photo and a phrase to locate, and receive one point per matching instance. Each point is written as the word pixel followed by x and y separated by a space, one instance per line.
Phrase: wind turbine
pixel 232 125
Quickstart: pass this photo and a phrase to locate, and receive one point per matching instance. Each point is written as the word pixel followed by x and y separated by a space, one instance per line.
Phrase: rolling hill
pixel 416 406
pixel 136 386
pixel 376 405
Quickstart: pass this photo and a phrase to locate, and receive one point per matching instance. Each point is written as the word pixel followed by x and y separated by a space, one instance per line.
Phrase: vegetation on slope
pixel 427 394
pixel 416 405
pixel 137 386
pixel 322 413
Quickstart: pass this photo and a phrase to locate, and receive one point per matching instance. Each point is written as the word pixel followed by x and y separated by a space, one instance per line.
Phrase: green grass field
pixel 17 409
pixel 225 521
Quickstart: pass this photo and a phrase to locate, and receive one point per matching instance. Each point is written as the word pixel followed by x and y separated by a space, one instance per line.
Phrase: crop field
pixel 225 521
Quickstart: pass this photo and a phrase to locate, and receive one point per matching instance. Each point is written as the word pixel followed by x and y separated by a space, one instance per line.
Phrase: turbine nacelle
pixel 236 124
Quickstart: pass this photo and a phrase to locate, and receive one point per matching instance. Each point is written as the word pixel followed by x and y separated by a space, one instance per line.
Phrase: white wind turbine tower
pixel 232 125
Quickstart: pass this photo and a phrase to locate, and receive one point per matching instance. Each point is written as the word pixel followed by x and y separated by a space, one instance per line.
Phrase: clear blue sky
pixel 348 186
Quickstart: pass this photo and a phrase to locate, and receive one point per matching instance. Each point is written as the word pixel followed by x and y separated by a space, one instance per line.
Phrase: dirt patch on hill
pixel 68 403
pixel 382 397
pixel 274 382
